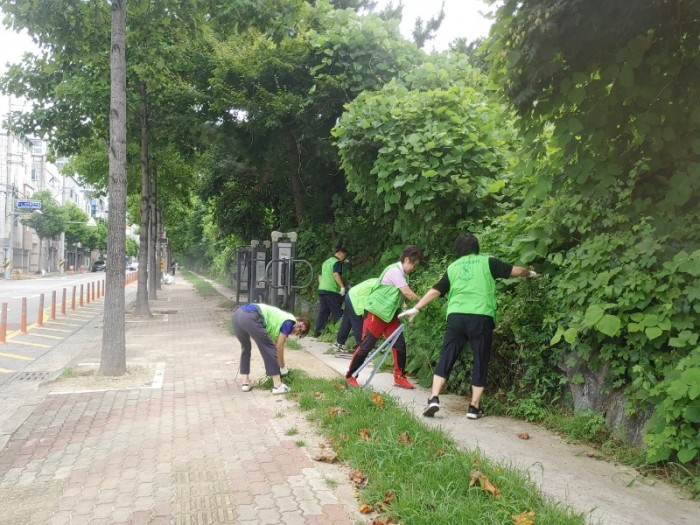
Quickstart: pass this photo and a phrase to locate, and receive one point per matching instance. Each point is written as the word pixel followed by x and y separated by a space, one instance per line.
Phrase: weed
pixel 292 432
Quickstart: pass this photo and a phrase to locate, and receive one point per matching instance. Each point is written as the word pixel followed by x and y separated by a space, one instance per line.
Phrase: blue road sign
pixel 29 205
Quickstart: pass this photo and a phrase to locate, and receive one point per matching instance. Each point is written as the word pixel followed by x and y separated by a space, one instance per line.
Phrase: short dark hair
pixel 466 244
pixel 306 323
pixel 412 253
pixel 341 249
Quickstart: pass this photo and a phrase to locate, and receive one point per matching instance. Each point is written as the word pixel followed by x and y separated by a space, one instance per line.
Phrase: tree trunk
pixel 154 263
pixel 113 361
pixel 142 308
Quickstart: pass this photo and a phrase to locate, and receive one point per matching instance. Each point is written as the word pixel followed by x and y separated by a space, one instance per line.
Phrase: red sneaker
pixel 402 382
pixel 351 381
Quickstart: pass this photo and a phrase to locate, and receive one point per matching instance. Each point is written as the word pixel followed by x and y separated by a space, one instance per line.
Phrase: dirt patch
pixel 88 377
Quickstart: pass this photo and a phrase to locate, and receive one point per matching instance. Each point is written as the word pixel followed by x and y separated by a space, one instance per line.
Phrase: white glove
pixel 533 274
pixel 410 314
pixel 342 291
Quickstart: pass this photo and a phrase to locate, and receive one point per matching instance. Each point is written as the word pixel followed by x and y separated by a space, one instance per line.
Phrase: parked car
pixel 132 266
pixel 98 266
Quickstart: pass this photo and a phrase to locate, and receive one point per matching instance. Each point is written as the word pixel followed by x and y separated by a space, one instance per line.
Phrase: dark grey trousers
pixel 251 325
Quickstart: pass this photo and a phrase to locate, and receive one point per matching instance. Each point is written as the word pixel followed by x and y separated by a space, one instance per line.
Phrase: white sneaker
pixel 246 387
pixel 282 389
pixel 284 370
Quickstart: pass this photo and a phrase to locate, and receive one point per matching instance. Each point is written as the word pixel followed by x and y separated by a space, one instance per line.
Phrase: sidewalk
pixel 195 449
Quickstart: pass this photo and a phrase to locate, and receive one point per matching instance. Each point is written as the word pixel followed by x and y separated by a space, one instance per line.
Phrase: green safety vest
pixel 327 282
pixel 384 299
pixel 359 293
pixel 472 287
pixel 274 318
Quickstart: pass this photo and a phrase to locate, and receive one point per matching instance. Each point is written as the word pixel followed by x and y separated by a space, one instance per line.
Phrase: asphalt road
pixel 59 320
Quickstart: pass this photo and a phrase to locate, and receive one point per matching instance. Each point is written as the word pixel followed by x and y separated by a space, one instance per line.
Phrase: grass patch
pixel 422 468
pixel 292 432
pixel 201 286
pixel 227 304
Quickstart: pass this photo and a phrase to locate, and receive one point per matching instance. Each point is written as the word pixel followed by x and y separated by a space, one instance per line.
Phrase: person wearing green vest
pixel 269 327
pixel 470 286
pixel 331 290
pixel 381 308
pixel 352 314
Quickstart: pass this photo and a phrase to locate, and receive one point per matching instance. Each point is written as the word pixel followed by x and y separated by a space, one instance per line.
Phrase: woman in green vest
pixel 381 308
pixel 470 286
pixel 269 327
pixel 331 290
pixel 352 314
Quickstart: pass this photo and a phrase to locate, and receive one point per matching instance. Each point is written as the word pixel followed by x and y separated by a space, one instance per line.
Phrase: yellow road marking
pixel 30 344
pixel 46 336
pixel 15 356
pixel 55 330
pixel 6 371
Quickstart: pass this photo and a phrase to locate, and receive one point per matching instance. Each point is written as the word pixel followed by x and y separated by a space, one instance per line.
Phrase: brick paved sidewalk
pixel 196 450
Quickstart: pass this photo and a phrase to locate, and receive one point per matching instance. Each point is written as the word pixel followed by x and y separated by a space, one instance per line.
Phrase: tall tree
pixel 113 361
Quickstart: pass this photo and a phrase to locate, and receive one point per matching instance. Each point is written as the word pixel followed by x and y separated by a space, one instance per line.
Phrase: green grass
pixel 422 467
pixel 201 286
pixel 292 432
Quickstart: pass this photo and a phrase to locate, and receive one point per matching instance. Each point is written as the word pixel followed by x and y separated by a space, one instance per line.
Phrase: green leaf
pixel 608 324
pixel 686 454
pixel 593 315
pixel 570 335
pixel 653 332
pixel 557 336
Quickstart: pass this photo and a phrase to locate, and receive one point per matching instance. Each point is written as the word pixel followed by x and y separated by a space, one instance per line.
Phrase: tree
pixel 113 360
pixel 49 222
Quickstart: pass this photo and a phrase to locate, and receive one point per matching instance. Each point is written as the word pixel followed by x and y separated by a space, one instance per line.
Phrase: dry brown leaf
pixel 524 435
pixel 477 477
pixel 388 497
pixel 382 521
pixel 524 518
pixel 378 400
pixel 334 411
pixel 318 394
pixel 344 437
pixel 358 478
pixel 321 445
pixel 326 456
pixel 365 434
pixel 366 508
pixel 339 386
pixel 404 438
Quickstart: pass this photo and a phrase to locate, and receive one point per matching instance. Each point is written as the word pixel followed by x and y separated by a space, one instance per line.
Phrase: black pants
pixel 350 320
pixel 478 330
pixel 330 305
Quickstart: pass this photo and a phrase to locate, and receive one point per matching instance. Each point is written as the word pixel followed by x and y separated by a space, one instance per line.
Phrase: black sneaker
pixel 474 413
pixel 433 406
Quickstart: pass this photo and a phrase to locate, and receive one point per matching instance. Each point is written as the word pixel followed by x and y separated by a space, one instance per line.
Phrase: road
pixel 58 320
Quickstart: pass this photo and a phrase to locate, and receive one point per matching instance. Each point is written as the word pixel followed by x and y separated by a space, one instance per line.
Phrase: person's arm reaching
pixel 519 271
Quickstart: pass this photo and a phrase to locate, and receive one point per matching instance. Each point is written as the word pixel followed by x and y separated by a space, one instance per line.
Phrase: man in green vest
pixel 353 313
pixel 269 327
pixel 381 307
pixel 331 290
pixel 470 286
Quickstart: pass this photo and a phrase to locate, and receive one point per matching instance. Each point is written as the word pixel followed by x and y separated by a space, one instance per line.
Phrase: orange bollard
pixel 40 316
pixel 87 295
pixel 53 305
pixel 93 291
pixel 63 302
pixel 81 296
pixel 23 317
pixel 72 301
pixel 3 324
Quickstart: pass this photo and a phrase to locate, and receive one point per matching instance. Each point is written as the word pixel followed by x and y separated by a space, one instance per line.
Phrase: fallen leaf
pixel 378 400
pixel 365 434
pixel 484 483
pixel 404 438
pixel 334 411
pixel 382 521
pixel 524 518
pixel 388 497
pixel 524 435
pixel 358 478
pixel 339 386
pixel 318 394
pixel 326 456
pixel 366 509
